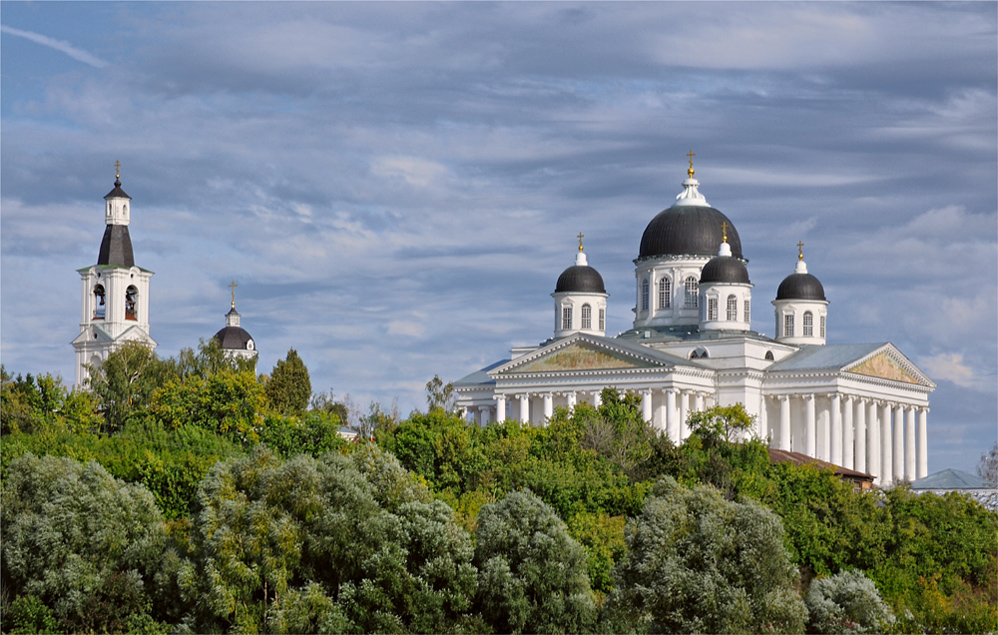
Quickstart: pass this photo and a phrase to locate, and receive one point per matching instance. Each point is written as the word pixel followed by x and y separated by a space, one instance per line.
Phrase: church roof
pixel 233 337
pixel 116 247
pixel 580 279
pixel 480 377
pixel 687 230
pixel 829 357
pixel 724 269
pixel 117 192
pixel 800 286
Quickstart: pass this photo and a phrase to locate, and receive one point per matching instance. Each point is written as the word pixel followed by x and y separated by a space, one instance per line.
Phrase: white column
pixel 698 402
pixel 598 398
pixel 684 413
pixel 810 432
pixel 860 436
pixel 500 408
pixel 483 416
pixel 672 416
pixel 836 425
pixel 524 408
pixel 886 452
pixel 898 442
pixel 570 396
pixel 646 405
pixel 548 406
pixel 909 444
pixel 785 422
pixel 661 415
pixel 848 458
pixel 763 419
pixel 873 441
pixel 923 442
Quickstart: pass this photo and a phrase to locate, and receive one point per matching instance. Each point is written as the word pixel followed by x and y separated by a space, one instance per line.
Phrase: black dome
pixel 580 279
pixel 800 286
pixel 688 230
pixel 724 269
pixel 116 247
pixel 234 337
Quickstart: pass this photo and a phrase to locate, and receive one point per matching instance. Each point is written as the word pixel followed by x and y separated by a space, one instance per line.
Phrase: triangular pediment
pixel 582 353
pixel 889 363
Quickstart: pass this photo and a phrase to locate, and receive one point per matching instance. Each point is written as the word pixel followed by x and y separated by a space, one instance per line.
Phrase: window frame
pixel 665 293
pixel 587 316
pixel 731 308
pixel 692 299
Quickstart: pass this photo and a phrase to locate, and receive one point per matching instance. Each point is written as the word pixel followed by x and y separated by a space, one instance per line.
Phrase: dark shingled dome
pixel 800 286
pixel 116 247
pixel 688 230
pixel 580 279
pixel 724 269
pixel 233 337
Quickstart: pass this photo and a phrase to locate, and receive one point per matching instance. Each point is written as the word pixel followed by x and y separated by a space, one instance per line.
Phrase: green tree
pixel 124 383
pixel 532 574
pixel 719 423
pixel 208 360
pixel 32 404
pixel 228 402
pixel 84 544
pixel 847 602
pixel 289 388
pixel 698 563
pixel 439 396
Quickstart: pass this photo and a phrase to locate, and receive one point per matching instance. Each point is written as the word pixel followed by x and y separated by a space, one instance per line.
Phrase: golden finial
pixel 690 155
pixel 800 250
pixel 580 237
pixel 117 169
pixel 724 231
pixel 233 287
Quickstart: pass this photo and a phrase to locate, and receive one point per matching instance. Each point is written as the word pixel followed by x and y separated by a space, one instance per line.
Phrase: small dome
pixel 724 269
pixel 580 279
pixel 687 230
pixel 235 338
pixel 800 286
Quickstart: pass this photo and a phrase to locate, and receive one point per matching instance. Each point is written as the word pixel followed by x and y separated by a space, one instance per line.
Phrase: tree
pixel 124 383
pixel 289 388
pixel 987 467
pixel 532 574
pixel 698 563
pixel 439 395
pixel 82 543
pixel 719 423
pixel 847 602
pixel 228 402
pixel 32 404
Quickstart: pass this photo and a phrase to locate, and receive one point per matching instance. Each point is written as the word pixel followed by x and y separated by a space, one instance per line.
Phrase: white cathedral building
pixel 859 406
pixel 115 297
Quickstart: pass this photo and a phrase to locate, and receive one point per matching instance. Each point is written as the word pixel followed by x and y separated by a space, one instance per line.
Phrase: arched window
pixel 644 294
pixel 566 317
pixel 788 325
pixel 664 293
pixel 732 309
pixel 748 310
pixel 808 324
pixel 769 356
pixel 587 316
pixel 131 303
pixel 692 300
pixel 602 319
pixel 822 327
pixel 100 308
pixel 711 309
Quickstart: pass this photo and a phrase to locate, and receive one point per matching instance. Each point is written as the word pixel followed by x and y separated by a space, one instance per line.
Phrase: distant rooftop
pixel 951 479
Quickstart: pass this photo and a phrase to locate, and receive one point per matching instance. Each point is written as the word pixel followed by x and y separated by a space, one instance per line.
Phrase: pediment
pixel 889 363
pixel 580 354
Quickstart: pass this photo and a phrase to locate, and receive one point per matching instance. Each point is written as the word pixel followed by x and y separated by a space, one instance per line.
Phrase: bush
pixel 847 602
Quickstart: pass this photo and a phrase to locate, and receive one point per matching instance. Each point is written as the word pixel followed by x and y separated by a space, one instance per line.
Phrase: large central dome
pixel 687 230
pixel 690 227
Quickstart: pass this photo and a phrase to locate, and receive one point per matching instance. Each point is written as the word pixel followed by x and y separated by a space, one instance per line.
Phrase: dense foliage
pixel 237 512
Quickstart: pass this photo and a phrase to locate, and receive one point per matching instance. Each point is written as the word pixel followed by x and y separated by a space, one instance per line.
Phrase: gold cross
pixel 690 171
pixel 724 230
pixel 800 250
pixel 233 287
pixel 580 237
pixel 117 169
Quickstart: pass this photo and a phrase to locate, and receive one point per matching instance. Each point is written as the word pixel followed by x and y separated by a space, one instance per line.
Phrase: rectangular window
pixel 587 317
pixel 732 313
pixel 711 309
pixel 566 318
pixel 692 299
pixel 788 325
pixel 748 311
pixel 602 319
pixel 664 293
pixel 644 295
pixel 808 324
pixel 822 326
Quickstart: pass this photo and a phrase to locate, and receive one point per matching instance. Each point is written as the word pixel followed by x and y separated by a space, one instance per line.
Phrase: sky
pixel 396 187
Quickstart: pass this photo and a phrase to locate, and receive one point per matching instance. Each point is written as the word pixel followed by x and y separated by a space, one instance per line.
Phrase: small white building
pixel 233 338
pixel 114 292
pixel 860 406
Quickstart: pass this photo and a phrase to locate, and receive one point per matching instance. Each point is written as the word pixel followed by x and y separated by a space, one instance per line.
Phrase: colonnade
pixel 885 438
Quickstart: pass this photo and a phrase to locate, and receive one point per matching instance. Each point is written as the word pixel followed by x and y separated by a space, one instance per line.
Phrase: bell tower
pixel 115 293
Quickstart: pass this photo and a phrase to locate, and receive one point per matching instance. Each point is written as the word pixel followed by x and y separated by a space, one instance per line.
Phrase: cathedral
pixel 863 407
pixel 115 296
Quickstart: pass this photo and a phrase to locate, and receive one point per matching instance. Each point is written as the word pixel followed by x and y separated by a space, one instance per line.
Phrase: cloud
pixel 59 45
pixel 951 367
pixel 414 170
